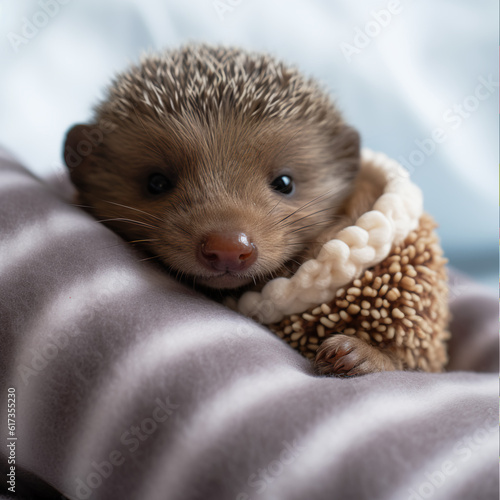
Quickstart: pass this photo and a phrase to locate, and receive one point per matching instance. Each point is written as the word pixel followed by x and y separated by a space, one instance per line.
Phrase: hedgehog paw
pixel 347 356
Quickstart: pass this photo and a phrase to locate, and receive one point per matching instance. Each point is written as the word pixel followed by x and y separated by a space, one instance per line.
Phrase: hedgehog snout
pixel 227 251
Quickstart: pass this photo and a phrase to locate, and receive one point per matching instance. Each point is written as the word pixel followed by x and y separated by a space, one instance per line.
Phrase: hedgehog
pixel 224 166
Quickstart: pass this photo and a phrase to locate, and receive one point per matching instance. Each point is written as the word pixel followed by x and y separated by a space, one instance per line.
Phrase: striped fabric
pixel 130 386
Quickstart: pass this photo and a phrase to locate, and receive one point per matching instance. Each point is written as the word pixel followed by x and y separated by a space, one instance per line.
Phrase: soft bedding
pixel 130 386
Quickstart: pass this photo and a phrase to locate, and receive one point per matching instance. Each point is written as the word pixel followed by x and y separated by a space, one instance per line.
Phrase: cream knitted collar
pixel 353 250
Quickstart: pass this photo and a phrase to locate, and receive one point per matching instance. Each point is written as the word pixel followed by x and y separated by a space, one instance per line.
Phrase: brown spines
pixel 204 80
pixel 400 305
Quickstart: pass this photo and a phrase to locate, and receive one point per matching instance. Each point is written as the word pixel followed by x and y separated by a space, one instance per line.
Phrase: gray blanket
pixel 131 386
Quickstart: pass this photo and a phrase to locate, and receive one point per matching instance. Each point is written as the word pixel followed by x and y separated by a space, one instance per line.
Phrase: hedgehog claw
pixel 347 356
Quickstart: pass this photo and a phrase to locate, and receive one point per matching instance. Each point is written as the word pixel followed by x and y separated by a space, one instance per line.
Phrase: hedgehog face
pixel 225 196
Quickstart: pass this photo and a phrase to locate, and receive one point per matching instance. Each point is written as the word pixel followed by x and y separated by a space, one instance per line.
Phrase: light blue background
pixel 428 58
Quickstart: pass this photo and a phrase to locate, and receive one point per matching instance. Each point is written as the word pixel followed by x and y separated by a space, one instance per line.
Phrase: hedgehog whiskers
pixel 303 228
pixel 130 221
pixel 310 203
pixel 136 209
pixel 310 215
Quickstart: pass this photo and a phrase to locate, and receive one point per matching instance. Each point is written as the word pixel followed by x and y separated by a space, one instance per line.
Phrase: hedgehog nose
pixel 227 251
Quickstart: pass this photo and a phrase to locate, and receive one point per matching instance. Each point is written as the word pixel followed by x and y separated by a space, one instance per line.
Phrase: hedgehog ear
pixel 81 141
pixel 347 146
pixel 349 142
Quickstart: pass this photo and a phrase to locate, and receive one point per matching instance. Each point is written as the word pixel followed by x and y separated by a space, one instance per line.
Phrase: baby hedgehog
pixel 222 164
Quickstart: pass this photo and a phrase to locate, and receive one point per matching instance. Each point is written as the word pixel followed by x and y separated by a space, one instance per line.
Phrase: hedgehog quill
pixel 225 166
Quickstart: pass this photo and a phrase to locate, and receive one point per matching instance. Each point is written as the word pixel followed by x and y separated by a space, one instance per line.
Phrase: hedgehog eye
pixel 283 184
pixel 158 184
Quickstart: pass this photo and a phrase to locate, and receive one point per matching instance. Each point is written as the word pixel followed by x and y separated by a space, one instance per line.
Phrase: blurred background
pixel 418 79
